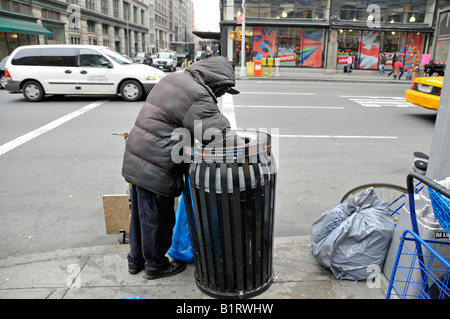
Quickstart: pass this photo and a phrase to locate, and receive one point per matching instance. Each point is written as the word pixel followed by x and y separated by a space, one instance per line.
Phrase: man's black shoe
pixel 174 268
pixel 134 269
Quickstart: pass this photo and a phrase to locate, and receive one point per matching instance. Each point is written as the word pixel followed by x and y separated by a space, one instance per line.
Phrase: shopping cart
pixel 420 270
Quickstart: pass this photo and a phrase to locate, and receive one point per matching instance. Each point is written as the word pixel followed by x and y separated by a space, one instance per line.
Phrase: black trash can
pixel 231 216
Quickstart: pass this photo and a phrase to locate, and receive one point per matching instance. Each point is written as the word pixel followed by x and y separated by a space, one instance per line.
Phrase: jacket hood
pixel 213 72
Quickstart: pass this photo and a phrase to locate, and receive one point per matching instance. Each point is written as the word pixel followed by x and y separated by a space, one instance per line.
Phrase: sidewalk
pixel 322 75
pixel 102 273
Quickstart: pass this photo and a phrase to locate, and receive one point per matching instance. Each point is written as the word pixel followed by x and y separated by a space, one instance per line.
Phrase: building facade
pixel 323 33
pixel 121 25
pixel 173 22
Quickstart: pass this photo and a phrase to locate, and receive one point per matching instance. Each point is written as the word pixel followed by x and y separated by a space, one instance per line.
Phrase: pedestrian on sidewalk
pixel 394 59
pixel 382 64
pixel 349 64
pixel 179 100
pixel 398 69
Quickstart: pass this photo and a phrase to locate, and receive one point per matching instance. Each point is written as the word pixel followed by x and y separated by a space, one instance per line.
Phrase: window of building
pixel 116 8
pixel 75 40
pixel 91 26
pixel 104 7
pixel 105 29
pixel 388 11
pixel 16 7
pixel 90 5
pixel 126 11
pixel 50 15
pixel 301 47
pixel 366 46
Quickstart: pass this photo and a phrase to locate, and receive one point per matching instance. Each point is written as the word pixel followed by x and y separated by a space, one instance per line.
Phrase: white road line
pixel 48 127
pixel 293 107
pixel 279 93
pixel 228 110
pixel 373 101
pixel 371 97
pixel 339 136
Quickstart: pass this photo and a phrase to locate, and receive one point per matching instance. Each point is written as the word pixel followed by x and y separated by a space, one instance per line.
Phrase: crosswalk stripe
pixel 378 101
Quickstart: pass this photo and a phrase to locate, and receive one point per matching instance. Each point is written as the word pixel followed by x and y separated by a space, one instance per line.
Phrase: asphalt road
pixel 329 137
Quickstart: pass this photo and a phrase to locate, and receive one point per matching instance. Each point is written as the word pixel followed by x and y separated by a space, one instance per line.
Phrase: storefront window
pixel 277 9
pixel 411 50
pixel 347 46
pixel 389 11
pixel 363 46
pixel 289 46
pixel 368 50
pixel 251 10
pixel 296 47
pixel 366 46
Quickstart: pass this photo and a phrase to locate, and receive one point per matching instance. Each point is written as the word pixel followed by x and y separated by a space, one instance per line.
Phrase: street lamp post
pixel 243 72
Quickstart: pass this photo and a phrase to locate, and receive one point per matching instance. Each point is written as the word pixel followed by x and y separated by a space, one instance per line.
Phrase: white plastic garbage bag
pixel 354 236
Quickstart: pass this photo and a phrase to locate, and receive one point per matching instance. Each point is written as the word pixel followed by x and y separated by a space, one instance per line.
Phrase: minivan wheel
pixel 131 90
pixel 3 81
pixel 33 91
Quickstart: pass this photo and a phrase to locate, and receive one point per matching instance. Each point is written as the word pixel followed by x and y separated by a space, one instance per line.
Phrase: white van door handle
pixel 68 71
pixel 83 72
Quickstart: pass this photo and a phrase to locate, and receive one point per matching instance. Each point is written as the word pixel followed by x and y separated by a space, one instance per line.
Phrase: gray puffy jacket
pixel 176 101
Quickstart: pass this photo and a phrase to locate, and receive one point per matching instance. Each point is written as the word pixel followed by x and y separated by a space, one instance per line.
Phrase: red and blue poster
pixel 264 39
pixel 369 49
pixel 311 50
pixel 411 50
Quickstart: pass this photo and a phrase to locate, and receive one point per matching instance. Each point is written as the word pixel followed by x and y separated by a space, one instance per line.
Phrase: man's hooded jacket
pixel 176 101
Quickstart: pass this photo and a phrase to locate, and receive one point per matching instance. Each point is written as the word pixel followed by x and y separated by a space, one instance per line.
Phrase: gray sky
pixel 206 15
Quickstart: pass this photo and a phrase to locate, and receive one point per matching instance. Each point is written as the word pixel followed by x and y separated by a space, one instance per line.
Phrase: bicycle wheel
pixel 396 196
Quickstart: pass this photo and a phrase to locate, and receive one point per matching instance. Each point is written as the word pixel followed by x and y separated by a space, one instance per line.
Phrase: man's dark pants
pixel 151 227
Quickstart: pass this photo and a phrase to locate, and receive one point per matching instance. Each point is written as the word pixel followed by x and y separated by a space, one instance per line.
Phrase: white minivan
pixel 166 60
pixel 37 70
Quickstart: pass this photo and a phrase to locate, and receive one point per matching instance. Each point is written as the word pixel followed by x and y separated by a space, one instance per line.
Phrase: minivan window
pixel 26 57
pixel 46 57
pixel 58 56
pixel 116 56
pixel 92 58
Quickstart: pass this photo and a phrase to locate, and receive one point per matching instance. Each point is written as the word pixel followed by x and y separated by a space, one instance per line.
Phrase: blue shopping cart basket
pixel 419 271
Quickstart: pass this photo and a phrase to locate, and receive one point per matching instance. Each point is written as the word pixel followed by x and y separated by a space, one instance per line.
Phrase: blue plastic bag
pixel 181 248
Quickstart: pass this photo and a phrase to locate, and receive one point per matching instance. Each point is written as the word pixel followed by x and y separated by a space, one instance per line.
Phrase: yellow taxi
pixel 425 92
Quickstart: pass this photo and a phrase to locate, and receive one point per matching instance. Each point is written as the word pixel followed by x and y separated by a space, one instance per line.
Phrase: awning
pixel 207 35
pixel 16 26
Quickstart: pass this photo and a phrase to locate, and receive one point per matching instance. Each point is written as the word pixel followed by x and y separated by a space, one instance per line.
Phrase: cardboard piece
pixel 117 213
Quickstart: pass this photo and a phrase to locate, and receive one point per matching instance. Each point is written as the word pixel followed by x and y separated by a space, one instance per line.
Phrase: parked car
pixel 166 60
pixel 425 92
pixel 2 72
pixel 142 57
pixel 37 70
